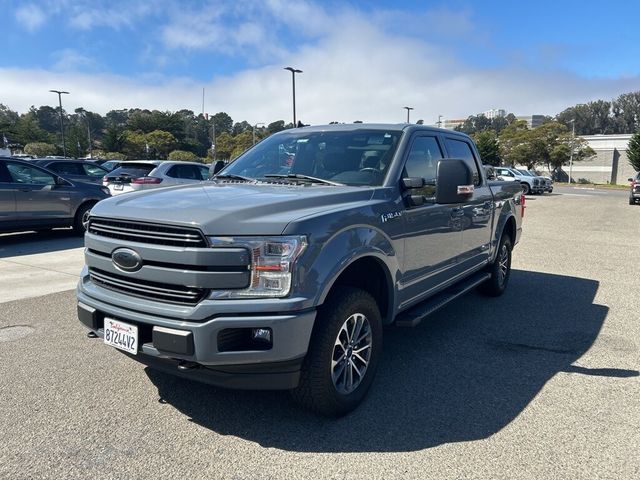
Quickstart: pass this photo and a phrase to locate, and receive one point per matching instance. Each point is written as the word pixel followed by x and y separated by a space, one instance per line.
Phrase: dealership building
pixel 610 164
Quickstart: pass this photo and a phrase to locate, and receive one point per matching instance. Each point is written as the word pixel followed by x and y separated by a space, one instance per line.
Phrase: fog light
pixel 261 334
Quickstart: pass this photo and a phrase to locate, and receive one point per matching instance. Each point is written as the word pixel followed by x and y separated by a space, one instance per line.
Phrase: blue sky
pixel 361 59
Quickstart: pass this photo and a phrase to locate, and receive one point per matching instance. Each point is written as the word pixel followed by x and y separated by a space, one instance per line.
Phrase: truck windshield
pixel 526 173
pixel 356 157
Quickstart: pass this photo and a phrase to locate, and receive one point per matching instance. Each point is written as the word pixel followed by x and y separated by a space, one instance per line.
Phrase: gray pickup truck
pixel 281 272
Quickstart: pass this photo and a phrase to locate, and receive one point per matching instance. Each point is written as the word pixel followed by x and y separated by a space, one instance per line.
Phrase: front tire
pixel 343 353
pixel 500 270
pixel 81 218
pixel 526 189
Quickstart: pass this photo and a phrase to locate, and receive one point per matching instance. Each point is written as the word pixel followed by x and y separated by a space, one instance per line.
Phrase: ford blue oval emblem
pixel 126 259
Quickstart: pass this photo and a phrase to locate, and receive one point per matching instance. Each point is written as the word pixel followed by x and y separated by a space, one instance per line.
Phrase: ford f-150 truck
pixel 281 272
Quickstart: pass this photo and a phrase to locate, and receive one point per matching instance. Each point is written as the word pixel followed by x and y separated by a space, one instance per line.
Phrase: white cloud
pixel 69 59
pixel 30 16
pixel 355 68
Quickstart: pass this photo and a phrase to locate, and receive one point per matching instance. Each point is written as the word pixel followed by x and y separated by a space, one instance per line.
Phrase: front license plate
pixel 121 335
pixel 118 186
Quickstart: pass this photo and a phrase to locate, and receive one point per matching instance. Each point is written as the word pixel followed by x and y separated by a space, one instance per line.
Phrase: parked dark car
pixel 34 198
pixel 634 194
pixel 74 170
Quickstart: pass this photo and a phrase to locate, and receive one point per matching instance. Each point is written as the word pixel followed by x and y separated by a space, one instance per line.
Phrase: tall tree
pixel 626 112
pixel 487 143
pixel 634 151
pixel 223 123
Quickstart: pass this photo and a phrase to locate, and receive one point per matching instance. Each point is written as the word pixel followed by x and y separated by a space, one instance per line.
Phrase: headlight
pixel 272 260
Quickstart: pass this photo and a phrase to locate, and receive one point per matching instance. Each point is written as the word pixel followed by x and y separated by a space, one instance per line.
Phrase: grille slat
pixel 147 233
pixel 146 289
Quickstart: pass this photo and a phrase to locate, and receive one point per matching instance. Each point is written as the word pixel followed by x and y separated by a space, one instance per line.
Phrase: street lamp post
pixel 408 110
pixel 60 93
pixel 439 121
pixel 254 131
pixel 573 136
pixel 293 79
pixel 86 117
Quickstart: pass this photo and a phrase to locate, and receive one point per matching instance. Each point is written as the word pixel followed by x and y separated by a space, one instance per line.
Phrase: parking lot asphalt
pixel 33 264
pixel 539 383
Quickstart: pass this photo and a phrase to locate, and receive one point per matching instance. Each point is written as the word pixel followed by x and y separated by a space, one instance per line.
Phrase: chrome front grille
pixel 163 292
pixel 147 233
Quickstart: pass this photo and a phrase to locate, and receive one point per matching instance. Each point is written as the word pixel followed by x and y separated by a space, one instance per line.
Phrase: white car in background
pixel 146 174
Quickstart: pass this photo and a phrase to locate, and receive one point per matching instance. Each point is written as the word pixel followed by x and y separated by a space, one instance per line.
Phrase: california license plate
pixel 121 335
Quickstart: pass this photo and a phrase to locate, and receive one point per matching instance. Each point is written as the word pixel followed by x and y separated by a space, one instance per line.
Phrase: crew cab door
pixel 7 197
pixel 433 239
pixel 37 195
pixel 477 212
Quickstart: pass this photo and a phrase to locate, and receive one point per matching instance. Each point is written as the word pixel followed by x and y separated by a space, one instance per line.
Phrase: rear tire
pixel 500 270
pixel 632 201
pixel 81 218
pixel 343 353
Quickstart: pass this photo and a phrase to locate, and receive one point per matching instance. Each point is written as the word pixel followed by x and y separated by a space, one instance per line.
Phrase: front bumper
pixel 277 367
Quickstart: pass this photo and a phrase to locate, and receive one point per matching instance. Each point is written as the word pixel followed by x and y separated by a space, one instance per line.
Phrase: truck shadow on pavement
pixel 462 375
pixel 29 243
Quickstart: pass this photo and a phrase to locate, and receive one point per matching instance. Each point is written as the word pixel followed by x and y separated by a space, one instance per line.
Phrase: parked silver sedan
pixel 143 175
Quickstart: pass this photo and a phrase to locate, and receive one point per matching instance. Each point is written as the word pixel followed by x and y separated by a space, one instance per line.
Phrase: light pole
pixel 86 117
pixel 60 93
pixel 293 79
pixel 439 121
pixel 254 131
pixel 408 110
pixel 573 136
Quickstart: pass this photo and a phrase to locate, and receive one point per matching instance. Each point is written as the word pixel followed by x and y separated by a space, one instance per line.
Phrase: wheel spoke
pixel 359 357
pixel 351 353
pixel 358 328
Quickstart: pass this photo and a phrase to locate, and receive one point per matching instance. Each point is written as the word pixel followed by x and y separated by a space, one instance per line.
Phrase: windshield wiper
pixel 233 176
pixel 298 176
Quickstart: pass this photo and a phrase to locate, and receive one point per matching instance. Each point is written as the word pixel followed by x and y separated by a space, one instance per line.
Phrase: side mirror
pixel 62 182
pixel 409 185
pixel 216 167
pixel 629 179
pixel 454 181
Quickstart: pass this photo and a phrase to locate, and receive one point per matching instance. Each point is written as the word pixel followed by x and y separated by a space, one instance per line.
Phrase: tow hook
pixel 185 365
pixel 92 334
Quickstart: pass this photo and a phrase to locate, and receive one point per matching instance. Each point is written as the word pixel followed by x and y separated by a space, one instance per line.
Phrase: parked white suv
pixel 530 184
pixel 147 174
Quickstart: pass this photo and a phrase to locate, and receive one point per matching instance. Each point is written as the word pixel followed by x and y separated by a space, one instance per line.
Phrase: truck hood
pixel 231 209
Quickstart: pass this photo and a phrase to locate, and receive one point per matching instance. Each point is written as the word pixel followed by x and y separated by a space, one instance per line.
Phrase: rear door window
pixel 187 172
pixel 462 149
pixel 26 174
pixel 93 170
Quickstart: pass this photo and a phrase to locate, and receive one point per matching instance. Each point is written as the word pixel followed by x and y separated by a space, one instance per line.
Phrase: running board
pixel 415 315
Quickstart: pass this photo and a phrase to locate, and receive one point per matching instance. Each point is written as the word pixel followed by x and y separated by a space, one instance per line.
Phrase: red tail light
pixel 522 205
pixel 105 179
pixel 146 180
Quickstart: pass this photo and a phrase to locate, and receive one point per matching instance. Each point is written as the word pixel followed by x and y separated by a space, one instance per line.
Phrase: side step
pixel 415 315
